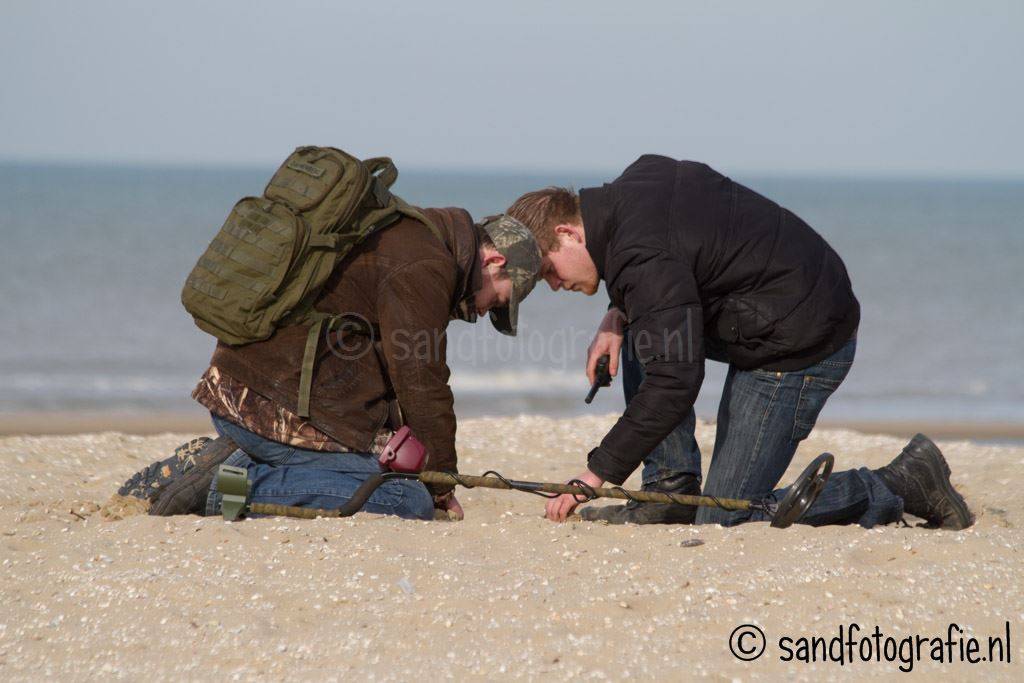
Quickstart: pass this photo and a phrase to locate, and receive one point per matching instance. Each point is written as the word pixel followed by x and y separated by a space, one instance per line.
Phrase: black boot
pixel 651 513
pixel 920 476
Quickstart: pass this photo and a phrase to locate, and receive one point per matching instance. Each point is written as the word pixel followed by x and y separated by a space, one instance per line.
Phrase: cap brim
pixel 506 319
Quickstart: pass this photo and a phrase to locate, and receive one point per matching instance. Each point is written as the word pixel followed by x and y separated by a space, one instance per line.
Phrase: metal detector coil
pixel 804 491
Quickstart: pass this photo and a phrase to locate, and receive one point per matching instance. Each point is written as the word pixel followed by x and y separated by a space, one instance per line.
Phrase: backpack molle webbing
pixel 268 262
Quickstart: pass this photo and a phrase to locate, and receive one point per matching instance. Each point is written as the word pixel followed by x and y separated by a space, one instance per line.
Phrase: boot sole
pixel 939 470
pixel 185 495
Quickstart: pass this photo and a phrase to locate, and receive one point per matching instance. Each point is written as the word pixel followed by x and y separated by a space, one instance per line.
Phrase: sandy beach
pixel 504 594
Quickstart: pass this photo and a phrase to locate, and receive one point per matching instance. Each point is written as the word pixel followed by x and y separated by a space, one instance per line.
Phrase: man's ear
pixel 573 232
pixel 493 256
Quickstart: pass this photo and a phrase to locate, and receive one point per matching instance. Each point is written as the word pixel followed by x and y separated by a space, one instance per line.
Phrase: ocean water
pixel 92 260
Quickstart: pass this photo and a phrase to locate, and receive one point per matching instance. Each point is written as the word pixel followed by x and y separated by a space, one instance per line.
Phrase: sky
pixel 876 88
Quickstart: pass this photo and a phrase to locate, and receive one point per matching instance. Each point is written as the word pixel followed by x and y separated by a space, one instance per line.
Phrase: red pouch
pixel 403 453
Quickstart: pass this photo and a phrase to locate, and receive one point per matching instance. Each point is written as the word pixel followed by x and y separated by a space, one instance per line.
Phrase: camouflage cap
pixel 522 263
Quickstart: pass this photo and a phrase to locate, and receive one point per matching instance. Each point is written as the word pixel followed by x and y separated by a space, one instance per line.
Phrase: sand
pixel 504 594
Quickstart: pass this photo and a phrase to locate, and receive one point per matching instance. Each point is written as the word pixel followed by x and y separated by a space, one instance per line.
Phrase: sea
pixel 92 260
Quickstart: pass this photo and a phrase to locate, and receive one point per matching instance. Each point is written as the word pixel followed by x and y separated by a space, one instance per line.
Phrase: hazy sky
pixel 929 88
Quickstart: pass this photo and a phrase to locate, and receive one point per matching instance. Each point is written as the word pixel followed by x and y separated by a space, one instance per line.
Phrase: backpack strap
pixel 384 175
pixel 352 325
pixel 383 169
pixel 411 211
pixel 308 360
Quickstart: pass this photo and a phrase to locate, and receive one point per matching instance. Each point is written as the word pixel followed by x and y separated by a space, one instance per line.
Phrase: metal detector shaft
pixel 602 492
pixel 363 493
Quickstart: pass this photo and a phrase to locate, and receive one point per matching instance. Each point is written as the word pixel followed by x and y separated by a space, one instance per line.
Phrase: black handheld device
pixel 602 378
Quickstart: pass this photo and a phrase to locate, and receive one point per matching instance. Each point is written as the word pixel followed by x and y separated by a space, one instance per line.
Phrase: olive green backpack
pixel 268 262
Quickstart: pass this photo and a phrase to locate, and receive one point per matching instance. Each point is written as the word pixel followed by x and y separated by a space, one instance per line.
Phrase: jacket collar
pixel 596 210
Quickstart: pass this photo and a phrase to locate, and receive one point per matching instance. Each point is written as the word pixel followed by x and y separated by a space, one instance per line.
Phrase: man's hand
pixel 608 340
pixel 451 506
pixel 454 509
pixel 558 509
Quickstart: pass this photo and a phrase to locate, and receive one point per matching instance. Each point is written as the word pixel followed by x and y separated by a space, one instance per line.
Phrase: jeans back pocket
pixel 820 381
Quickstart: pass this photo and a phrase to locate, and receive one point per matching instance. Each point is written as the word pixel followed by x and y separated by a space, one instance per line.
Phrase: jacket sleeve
pixel 414 303
pixel 665 323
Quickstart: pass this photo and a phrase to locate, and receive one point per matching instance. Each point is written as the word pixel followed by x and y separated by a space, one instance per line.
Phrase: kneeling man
pixel 406 284
pixel 698 266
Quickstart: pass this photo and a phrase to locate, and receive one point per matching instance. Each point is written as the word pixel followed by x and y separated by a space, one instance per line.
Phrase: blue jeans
pixel 286 475
pixel 762 418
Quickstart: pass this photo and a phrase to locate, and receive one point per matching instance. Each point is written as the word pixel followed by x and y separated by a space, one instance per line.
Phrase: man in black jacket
pixel 698 266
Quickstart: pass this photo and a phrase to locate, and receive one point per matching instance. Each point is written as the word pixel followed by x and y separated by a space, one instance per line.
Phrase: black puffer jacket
pixel 703 266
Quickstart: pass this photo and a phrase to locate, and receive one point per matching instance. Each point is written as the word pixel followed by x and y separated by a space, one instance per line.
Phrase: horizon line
pixel 611 172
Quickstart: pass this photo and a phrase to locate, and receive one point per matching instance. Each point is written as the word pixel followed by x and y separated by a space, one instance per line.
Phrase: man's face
pixel 570 266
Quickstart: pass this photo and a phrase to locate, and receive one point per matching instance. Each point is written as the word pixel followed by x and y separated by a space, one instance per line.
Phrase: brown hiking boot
pixel 148 481
pixel 185 494
pixel 920 476
pixel 175 485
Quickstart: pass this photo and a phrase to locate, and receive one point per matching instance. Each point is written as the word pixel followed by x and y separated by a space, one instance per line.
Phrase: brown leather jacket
pixel 410 284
